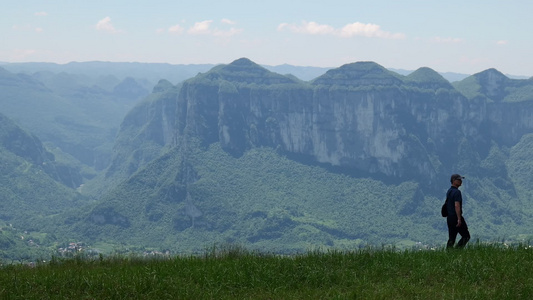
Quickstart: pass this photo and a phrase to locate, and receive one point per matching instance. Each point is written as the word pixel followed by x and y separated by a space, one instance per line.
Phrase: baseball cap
pixel 456 176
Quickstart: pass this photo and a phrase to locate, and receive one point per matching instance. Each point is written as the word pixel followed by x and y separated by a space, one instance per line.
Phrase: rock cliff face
pixel 359 117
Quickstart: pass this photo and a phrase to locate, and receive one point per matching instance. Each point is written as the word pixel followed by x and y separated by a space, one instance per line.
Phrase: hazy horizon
pixel 453 36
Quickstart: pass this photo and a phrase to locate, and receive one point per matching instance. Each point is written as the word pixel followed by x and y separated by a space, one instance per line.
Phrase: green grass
pixel 477 272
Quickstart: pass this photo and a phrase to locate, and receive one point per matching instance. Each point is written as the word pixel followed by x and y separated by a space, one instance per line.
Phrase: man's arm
pixel 458 212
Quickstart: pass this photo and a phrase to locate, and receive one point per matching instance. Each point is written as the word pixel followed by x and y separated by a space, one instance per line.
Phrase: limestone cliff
pixel 359 117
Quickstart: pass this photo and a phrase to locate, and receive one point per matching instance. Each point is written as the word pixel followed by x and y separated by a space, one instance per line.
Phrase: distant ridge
pixel 178 72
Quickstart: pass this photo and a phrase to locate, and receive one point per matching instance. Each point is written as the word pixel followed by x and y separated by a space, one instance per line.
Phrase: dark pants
pixel 453 230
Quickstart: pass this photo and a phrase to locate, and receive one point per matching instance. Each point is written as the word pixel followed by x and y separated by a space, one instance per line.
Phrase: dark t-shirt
pixel 453 195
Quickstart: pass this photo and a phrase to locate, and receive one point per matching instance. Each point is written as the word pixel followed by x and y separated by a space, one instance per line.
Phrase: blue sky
pixel 447 36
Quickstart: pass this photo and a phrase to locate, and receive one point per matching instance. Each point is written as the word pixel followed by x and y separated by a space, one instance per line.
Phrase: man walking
pixel 456 221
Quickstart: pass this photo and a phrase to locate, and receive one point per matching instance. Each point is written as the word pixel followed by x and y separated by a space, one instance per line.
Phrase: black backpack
pixel 444 209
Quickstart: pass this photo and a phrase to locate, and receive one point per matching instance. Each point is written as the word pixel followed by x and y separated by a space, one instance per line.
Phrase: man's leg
pixel 452 232
pixel 465 234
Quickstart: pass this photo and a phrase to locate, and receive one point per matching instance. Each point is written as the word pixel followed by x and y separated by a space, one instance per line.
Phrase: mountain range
pixel 241 154
pixel 153 72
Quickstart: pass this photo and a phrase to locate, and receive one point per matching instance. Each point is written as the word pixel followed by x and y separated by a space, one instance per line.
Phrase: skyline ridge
pixel 450 75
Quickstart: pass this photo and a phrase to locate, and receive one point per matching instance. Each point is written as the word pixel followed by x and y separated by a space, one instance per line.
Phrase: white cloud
pixel 39 29
pixel 227 21
pixel 368 30
pixel 307 28
pixel 201 27
pixel 176 29
pixel 349 30
pixel 106 25
pixel 41 14
pixel 205 28
pixel 448 40
pixel 229 32
pixel 502 42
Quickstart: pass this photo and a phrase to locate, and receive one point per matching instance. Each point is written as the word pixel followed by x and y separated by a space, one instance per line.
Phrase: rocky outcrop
pixel 492 84
pixel 145 130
